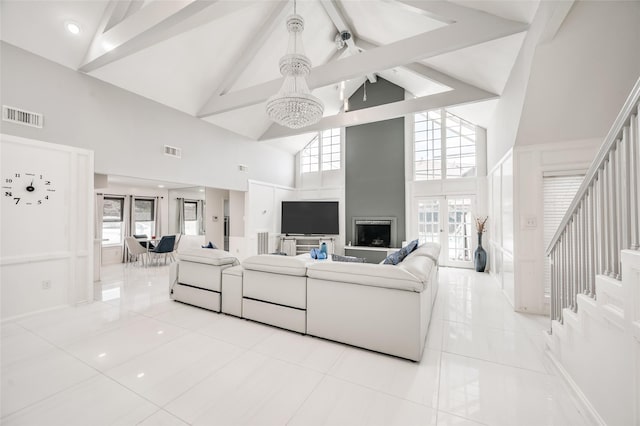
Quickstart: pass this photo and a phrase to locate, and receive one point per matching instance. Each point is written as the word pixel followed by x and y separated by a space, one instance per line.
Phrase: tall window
pixel 310 155
pixel 322 153
pixel 191 217
pixel 444 146
pixel 144 217
pixel 112 220
pixel 330 149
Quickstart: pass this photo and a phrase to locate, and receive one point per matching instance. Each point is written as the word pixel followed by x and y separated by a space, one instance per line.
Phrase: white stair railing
pixel 603 218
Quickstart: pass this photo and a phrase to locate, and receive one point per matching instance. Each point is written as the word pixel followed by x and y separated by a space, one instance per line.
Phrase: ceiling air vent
pixel 20 116
pixel 172 151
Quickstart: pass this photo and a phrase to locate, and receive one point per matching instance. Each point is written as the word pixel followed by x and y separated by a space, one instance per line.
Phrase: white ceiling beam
pixel 157 21
pixel 386 111
pixel 424 70
pixel 338 19
pixel 556 19
pixel 248 52
pixel 482 28
pixel 117 11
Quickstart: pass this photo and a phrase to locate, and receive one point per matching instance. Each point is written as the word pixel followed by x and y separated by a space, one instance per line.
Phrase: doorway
pixel 448 220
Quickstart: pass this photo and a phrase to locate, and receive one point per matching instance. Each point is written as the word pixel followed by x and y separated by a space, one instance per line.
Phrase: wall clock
pixel 30 189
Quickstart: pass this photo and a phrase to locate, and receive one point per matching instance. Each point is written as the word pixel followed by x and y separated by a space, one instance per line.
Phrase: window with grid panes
pixel 444 146
pixel 427 151
pixel 461 147
pixel 310 156
pixel 330 149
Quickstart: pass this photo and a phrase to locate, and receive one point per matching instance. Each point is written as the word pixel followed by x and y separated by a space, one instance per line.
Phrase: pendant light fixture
pixel 294 106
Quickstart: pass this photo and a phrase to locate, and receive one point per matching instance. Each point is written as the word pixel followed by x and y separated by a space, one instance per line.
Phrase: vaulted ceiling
pixel 218 60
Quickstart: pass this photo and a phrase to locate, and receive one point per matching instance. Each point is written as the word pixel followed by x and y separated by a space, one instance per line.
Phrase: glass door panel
pixel 448 221
pixel 460 232
pixel 429 220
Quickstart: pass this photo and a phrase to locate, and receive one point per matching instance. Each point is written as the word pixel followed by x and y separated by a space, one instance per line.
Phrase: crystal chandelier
pixel 294 106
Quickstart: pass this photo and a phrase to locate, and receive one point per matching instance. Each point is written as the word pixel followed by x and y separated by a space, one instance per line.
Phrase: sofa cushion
pixel 418 266
pixel 208 256
pixel 430 250
pixel 287 265
pixel 370 274
pixel 338 258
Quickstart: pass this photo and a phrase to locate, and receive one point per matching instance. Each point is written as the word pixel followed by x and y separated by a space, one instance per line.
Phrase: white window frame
pixel 151 223
pixel 108 222
pixel 323 152
pixel 433 153
pixel 189 225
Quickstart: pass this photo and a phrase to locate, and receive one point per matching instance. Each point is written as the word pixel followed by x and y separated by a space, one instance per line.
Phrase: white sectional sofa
pixel 196 278
pixel 384 308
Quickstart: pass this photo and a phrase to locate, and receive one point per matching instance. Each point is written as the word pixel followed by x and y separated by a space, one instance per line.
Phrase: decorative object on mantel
pixel 294 106
pixel 480 255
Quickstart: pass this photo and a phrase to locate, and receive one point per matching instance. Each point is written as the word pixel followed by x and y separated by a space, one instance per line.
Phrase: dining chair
pixel 165 246
pixel 136 250
pixel 145 244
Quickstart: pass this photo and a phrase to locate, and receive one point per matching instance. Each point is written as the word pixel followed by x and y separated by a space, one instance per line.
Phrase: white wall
pixel 236 223
pixel 529 165
pixel 580 80
pixel 127 132
pixel 263 213
pixel 46 250
pixel 572 86
pixel 501 233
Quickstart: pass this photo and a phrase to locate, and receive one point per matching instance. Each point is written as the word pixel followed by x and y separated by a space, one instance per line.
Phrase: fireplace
pixel 374 231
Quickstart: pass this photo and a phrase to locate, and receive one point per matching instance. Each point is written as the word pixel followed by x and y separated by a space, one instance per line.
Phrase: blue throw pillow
pixel 394 258
pixel 411 246
pixel 210 246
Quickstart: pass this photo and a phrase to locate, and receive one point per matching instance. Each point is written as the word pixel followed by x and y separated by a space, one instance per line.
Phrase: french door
pixel 448 220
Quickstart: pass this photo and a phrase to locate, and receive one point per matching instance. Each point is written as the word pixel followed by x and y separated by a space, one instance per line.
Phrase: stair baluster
pixel 603 218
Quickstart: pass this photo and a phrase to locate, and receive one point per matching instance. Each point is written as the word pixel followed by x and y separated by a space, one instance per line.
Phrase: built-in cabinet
pixel 295 245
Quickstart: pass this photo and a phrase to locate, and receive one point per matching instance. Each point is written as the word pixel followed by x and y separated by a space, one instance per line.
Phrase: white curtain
pixel 200 216
pixel 180 215
pixel 98 211
pixel 127 213
pixel 157 216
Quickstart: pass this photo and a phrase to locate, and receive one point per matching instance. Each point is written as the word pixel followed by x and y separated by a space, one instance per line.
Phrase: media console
pixel 294 245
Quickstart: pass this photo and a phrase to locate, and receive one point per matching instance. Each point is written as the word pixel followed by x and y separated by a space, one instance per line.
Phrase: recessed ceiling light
pixel 160 186
pixel 201 190
pixel 72 27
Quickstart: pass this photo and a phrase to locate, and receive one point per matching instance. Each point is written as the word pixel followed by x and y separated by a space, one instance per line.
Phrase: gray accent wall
pixel 374 162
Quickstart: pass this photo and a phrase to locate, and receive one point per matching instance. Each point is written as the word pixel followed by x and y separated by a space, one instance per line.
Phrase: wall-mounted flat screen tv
pixel 310 218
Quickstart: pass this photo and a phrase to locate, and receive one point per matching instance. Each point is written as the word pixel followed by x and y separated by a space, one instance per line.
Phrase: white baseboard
pixel 590 412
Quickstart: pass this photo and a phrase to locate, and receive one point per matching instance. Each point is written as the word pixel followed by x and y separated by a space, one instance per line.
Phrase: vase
pixel 480 256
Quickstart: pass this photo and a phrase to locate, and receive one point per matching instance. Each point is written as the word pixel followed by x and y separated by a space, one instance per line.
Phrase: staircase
pixel 594 339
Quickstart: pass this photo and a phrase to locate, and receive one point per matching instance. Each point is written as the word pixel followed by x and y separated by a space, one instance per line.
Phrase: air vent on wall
pixel 172 151
pixel 20 116
pixel 243 168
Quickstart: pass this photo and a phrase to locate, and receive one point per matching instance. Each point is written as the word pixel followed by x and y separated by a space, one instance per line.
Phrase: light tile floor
pixel 136 357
